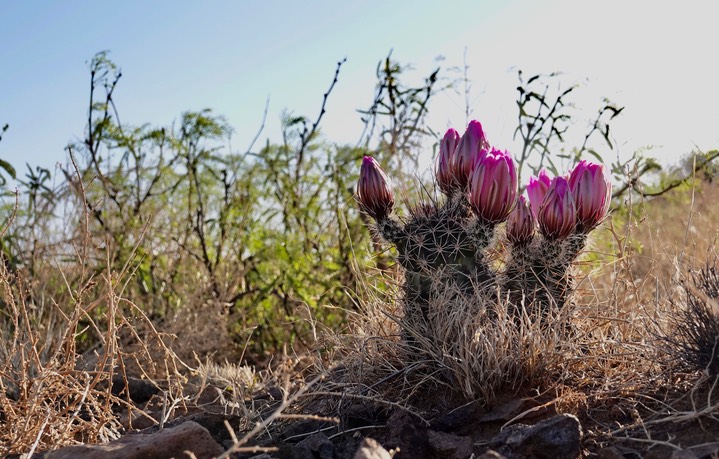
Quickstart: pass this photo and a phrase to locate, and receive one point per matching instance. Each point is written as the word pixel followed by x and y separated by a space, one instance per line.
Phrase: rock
pixel 320 446
pixel 683 454
pixel 492 454
pixel 166 443
pixel 303 427
pixel 610 452
pixel 707 451
pixel 505 412
pixel 370 449
pixel 458 418
pixel 450 446
pixel 555 438
pixel 294 452
pixel 316 446
pixel 215 424
pixel 141 390
pixel 408 435
pixel 136 420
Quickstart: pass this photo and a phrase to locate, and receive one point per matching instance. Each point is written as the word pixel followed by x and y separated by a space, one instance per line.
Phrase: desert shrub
pixel 62 363
pixel 692 336
pixel 255 244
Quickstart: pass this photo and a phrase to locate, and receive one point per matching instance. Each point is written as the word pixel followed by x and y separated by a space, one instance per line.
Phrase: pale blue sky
pixel 659 61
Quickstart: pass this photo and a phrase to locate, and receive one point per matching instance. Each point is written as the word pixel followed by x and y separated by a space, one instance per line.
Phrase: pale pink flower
pixel 493 186
pixel 473 146
pixel 557 215
pixel 537 190
pixel 444 173
pixel 592 193
pixel 374 190
pixel 521 223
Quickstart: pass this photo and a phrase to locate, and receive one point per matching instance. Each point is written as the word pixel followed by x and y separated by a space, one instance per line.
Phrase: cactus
pixel 444 246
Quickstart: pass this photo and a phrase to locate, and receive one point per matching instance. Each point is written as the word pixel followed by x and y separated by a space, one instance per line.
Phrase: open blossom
pixel 537 190
pixel 493 186
pixel 521 223
pixel 557 214
pixel 447 148
pixel 592 194
pixel 473 146
pixel 374 190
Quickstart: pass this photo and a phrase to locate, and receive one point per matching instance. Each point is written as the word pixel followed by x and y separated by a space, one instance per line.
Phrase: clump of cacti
pixel 444 245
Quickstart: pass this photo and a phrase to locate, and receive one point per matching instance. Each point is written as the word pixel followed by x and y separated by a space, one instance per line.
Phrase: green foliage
pixel 4 165
pixel 268 236
pixel 544 118
pixel 395 121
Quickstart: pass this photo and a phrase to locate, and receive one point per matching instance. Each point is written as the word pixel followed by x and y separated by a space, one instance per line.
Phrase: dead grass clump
pixel 692 336
pixel 463 352
pixel 600 347
pixel 51 392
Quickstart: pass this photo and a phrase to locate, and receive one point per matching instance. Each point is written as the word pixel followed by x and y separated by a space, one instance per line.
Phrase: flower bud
pixel 521 223
pixel 557 215
pixel 447 148
pixel 537 190
pixel 472 147
pixel 374 190
pixel 592 194
pixel 493 186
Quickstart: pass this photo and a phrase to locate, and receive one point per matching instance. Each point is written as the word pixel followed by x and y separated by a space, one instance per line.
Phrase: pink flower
pixel 521 223
pixel 557 215
pixel 373 190
pixel 493 186
pixel 537 189
pixel 472 147
pixel 447 148
pixel 592 194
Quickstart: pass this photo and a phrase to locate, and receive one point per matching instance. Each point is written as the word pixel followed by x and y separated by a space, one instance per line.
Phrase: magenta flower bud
pixel 557 215
pixel 493 186
pixel 447 148
pixel 374 190
pixel 473 146
pixel 537 190
pixel 592 194
pixel 521 223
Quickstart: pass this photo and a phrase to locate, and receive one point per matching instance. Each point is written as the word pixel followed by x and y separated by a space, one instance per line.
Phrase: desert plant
pixel 453 277
pixel 694 332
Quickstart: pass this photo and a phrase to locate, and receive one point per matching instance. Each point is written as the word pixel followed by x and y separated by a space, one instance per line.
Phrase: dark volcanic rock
pixel 558 437
pixel 409 435
pixel 450 446
pixel 164 444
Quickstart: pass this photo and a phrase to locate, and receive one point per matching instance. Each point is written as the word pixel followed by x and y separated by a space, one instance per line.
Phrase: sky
pixel 658 59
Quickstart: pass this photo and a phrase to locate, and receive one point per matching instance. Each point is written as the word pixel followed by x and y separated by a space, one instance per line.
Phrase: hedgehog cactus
pixel 443 246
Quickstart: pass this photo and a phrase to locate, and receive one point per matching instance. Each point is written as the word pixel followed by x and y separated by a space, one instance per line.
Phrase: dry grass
pixel 56 390
pixel 53 395
pixel 606 349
